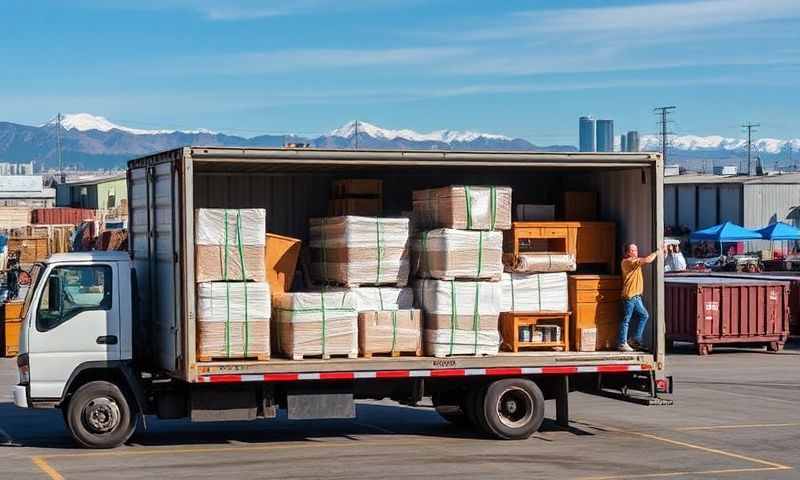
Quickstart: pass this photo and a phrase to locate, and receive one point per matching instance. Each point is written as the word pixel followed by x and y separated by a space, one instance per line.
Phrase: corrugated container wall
pixel 61 216
pixel 768 203
pixel 687 206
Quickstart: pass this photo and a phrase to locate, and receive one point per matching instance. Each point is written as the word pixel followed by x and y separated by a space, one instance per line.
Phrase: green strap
pixel 453 315
pixel 394 328
pixel 324 319
pixel 469 208
pixel 424 253
pixel 379 249
pixel 323 248
pixel 539 288
pixel 493 204
pixel 480 254
pixel 244 277
pixel 476 317
pixel 227 290
pixel 380 297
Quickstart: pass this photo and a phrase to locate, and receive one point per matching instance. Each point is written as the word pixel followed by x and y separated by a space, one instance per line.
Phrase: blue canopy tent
pixel 724 232
pixel 779 231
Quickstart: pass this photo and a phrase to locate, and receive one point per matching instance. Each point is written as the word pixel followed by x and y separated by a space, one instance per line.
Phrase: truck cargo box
pixel 293 185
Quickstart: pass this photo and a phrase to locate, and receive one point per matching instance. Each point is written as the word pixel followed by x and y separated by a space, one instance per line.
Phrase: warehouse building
pixel 693 202
pixel 25 191
pixel 96 193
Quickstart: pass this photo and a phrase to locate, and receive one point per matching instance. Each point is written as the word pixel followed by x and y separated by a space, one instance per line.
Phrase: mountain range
pixel 93 142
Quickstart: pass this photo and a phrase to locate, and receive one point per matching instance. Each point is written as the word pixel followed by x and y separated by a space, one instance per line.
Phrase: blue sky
pixel 525 69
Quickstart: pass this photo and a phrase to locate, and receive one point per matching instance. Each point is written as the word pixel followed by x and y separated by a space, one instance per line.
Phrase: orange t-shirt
pixel 632 278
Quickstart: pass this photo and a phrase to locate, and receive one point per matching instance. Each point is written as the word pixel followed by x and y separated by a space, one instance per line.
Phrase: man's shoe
pixel 635 345
pixel 625 348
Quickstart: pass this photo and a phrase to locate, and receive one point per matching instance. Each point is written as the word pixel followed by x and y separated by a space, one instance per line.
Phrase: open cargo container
pixel 156 361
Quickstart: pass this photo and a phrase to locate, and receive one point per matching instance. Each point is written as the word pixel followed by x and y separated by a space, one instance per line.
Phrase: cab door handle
pixel 107 340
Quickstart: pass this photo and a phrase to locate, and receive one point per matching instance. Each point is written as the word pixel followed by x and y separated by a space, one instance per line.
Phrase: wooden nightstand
pixel 511 321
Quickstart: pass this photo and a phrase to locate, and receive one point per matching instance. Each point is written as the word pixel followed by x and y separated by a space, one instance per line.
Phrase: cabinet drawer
pixel 597 296
pixel 591 314
pixel 609 283
pixel 553 232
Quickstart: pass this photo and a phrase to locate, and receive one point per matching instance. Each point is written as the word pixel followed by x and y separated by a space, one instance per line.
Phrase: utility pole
pixel 751 170
pixel 58 146
pixel 356 134
pixel 663 123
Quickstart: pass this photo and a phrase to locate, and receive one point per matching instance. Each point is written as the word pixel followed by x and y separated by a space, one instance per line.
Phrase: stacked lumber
pixel 534 292
pixel 316 324
pixel 229 244
pixel 233 320
pixel 449 254
pixel 31 249
pixel 461 317
pixel 353 251
pixel 12 217
pixel 463 207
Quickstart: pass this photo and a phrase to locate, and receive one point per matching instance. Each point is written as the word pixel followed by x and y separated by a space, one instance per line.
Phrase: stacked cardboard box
pixel 233 320
pixel 233 298
pixel 456 259
pixel 449 254
pixel 316 324
pixel 354 251
pixel 534 292
pixel 460 316
pixel 387 321
pixel 229 244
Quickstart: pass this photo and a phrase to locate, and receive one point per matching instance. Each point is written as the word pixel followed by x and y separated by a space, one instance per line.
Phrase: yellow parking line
pixel 46 468
pixel 724 427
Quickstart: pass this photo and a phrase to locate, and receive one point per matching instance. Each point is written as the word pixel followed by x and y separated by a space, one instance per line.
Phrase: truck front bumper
pixel 20 395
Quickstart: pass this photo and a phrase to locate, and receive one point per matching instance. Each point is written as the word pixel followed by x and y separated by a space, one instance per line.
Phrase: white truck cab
pixel 77 317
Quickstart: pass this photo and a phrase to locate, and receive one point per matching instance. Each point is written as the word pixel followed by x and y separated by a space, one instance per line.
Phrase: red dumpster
pixel 708 311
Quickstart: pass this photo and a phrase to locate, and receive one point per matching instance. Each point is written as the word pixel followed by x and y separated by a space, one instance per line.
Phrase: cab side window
pixel 71 290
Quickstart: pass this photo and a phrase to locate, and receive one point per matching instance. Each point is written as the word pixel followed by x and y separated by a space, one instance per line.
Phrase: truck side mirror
pixel 54 294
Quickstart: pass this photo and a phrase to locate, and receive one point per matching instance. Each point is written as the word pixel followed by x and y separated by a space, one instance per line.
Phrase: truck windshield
pixel 36 272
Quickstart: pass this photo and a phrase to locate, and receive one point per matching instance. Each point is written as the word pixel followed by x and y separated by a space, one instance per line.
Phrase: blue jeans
pixel 629 306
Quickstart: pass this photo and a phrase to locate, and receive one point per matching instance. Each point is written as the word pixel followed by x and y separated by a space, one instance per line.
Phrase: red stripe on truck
pixel 449 372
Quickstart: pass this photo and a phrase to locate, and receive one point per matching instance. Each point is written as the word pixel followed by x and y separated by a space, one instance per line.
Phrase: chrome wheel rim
pixel 514 407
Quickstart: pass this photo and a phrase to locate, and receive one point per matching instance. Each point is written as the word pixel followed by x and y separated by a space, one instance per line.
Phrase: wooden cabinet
pixel 589 242
pixel 510 323
pixel 595 303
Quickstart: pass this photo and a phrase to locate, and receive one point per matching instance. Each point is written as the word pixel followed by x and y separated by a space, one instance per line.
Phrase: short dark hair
pixel 627 247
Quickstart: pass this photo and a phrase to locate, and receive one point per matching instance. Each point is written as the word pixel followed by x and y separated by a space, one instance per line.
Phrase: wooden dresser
pixel 595 303
pixel 589 242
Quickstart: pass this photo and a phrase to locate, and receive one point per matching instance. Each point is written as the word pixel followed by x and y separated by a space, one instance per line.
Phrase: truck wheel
pixel 473 404
pixel 98 416
pixel 513 408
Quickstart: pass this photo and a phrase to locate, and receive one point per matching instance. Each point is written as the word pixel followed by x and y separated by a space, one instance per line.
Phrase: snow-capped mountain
pixel 446 136
pixel 85 122
pixel 715 142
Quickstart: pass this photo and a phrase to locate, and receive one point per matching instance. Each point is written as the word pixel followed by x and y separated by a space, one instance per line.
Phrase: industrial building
pixel 605 135
pixel 7 168
pixel 25 191
pixel 632 141
pixel 96 193
pixel 693 202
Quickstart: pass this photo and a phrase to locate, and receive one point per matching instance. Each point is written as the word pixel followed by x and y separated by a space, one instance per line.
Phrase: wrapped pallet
pixel 389 331
pixel 316 324
pixel 534 292
pixel 540 262
pixel 463 208
pixel 448 254
pixel 382 298
pixel 233 320
pixel 355 251
pixel 460 317
pixel 229 244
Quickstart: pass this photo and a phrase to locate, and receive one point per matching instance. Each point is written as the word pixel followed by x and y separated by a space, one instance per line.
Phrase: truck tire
pixel 99 415
pixel 513 408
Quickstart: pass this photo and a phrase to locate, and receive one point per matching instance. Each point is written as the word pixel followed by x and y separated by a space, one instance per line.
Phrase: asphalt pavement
pixel 736 416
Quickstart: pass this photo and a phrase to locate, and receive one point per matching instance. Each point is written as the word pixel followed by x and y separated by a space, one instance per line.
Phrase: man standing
pixel 632 289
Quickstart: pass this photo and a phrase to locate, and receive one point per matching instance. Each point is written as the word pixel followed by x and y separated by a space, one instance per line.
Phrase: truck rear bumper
pixel 20 395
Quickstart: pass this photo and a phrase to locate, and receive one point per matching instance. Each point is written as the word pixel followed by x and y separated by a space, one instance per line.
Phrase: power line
pixel 751 170
pixel 663 124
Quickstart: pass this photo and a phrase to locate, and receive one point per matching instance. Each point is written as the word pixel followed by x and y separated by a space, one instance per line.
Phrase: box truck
pixel 125 347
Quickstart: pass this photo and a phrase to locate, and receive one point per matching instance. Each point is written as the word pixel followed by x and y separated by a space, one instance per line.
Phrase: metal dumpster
pixel 710 311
